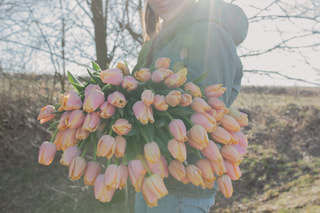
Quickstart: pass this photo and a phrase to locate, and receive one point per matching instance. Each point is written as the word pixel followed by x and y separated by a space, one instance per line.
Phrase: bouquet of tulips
pixel 143 126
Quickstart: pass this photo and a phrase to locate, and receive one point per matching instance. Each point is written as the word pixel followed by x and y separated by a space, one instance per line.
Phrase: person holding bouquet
pixel 201 36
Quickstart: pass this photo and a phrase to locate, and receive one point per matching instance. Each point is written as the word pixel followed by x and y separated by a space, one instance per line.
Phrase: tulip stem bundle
pixel 144 124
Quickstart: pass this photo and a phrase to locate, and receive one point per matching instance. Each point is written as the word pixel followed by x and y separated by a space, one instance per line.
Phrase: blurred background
pixel 40 40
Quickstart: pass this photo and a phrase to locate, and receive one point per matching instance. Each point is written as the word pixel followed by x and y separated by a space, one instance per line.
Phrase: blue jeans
pixel 174 204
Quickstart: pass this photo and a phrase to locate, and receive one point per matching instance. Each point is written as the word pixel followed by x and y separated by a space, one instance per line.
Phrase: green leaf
pixel 149 130
pixel 134 131
pixel 75 82
pixel 85 79
pixel 91 76
pixel 78 87
pixel 95 66
pixel 200 78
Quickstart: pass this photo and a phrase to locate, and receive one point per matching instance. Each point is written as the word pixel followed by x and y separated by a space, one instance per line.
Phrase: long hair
pixel 150 23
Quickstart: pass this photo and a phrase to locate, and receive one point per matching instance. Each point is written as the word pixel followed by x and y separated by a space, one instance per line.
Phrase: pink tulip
pixel 160 103
pixel 160 167
pixel 92 171
pixel 198 137
pixel 106 146
pixel 177 79
pixel 155 183
pixel 147 97
pixel 152 152
pixel 186 100
pixel 129 83
pixel 220 113
pixel 122 126
pixel 117 99
pixel 77 167
pixel 216 103
pixel 162 63
pixel 112 177
pixel 47 152
pixel 150 198
pixel 242 151
pixel 69 138
pixel 214 90
pixel 91 88
pixel 212 152
pixel 93 100
pixel 107 110
pixel 112 76
pixel 160 74
pixel 173 98
pixel 218 167
pixel 62 125
pixel 120 146
pixel 100 191
pixel 221 135
pixel 123 175
pixel 241 139
pixel 58 139
pixel 233 170
pixel 177 170
pixel 193 89
pixel 69 154
pixel 46 114
pixel 225 185
pixel 124 68
pixel 82 134
pixel 76 119
pixel 200 105
pixel 205 120
pixel 177 149
pixel 205 167
pixel 137 172
pixel 194 175
pixel 240 117
pixel 91 122
pixel 230 124
pixel 143 75
pixel 178 130
pixel 143 112
pixel 70 101
pixel 229 152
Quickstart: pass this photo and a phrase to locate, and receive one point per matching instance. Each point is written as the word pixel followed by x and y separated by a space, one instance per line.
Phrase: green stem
pixel 105 87
pixel 144 164
pixel 54 135
pixel 197 153
pixel 144 136
pixel 185 165
pixel 188 120
pixel 168 114
pixel 94 138
pixel 85 150
pixel 109 161
pixel 110 131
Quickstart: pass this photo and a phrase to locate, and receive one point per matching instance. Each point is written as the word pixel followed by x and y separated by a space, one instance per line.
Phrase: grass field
pixel 280 173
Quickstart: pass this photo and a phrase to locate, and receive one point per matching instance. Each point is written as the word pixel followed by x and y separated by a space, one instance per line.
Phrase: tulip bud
pixel 200 105
pixel 155 183
pixel 178 130
pixel 117 99
pixel 162 63
pixel 69 138
pixel 229 123
pixel 218 167
pixel 111 177
pixel 194 175
pixel 220 113
pixel 100 191
pixel 124 68
pixel 123 175
pixel 212 152
pixel 186 100
pixel 198 137
pixel 194 90
pixel 242 151
pixel 230 153
pixel 160 75
pixel 240 117
pixel 225 185
pixel 143 112
pixel 221 135
pixel 177 79
pixel 91 122
pixel 160 167
pixel 160 103
pixel 147 97
pixel 216 103
pixel 122 126
pixel 58 139
pixel 173 98
pixel 214 90
pixel 177 149
pixel 177 170
pixel 91 88
pixel 107 110
pixel 241 139
pixel 205 120
pixel 62 125
pixel 143 75
pixel 77 168
pixel 150 198
pixel 233 170
pixel 69 154
pixel 93 100
pixel 46 114
pixel 91 173
pixel 152 152
pixel 75 119
pixel 137 172
pixel 120 146
pixel 106 146
pixel 70 101
pixel 205 167
pixel 112 76
pixel 47 152
pixel 82 134
pixel 129 83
